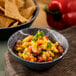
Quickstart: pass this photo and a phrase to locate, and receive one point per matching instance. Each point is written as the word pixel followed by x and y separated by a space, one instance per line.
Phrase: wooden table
pixel 66 67
pixel 39 22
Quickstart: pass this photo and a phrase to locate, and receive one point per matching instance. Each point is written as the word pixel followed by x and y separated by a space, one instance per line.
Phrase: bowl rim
pixel 60 57
pixel 37 11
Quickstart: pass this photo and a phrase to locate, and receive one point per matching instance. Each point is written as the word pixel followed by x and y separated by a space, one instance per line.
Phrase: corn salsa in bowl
pixel 38 48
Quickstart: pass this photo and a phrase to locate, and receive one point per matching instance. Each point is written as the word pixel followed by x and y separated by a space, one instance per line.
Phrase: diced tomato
pixel 35 59
pixel 49 59
pixel 39 43
pixel 14 48
pixel 46 38
pixel 30 38
pixel 28 58
pixel 30 51
pixel 60 49
pixel 40 59
pixel 40 38
pixel 30 48
pixel 19 42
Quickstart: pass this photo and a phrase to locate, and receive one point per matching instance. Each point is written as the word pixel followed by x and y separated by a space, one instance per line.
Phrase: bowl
pixel 51 34
pixel 6 32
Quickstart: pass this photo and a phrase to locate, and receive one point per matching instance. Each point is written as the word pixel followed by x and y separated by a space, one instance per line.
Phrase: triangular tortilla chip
pixel 5 21
pixel 20 3
pixel 12 11
pixel 30 18
pixel 2 9
pixel 15 24
pixel 2 2
pixel 28 12
pixel 29 3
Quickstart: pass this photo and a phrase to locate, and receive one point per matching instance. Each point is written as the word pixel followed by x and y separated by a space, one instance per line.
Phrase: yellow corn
pixel 20 54
pixel 26 39
pixel 32 60
pixel 45 40
pixel 50 58
pixel 19 48
pixel 40 41
pixel 44 46
pixel 24 56
pixel 44 57
pixel 24 45
pixel 56 44
pixel 52 54
pixel 34 45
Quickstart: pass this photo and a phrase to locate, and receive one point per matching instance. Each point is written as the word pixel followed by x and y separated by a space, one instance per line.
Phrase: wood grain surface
pixel 41 20
pixel 66 67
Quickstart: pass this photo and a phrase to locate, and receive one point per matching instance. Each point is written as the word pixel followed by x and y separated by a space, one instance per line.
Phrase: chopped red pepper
pixel 14 48
pixel 35 59
pixel 28 58
pixel 46 37
pixel 48 59
pixel 60 49
pixel 40 59
pixel 31 37
pixel 40 38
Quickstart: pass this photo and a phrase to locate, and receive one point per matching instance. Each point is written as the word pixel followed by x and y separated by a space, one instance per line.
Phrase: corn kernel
pixel 26 39
pixel 32 60
pixel 44 57
pixel 34 45
pixel 44 46
pixel 50 58
pixel 55 50
pixel 24 45
pixel 24 56
pixel 19 48
pixel 20 54
pixel 52 54
pixel 56 44
pixel 40 41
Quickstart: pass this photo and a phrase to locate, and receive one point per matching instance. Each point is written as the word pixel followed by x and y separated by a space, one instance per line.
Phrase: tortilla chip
pixel 2 2
pixel 29 3
pixel 12 11
pixel 30 18
pixel 2 9
pixel 15 24
pixel 5 21
pixel 20 3
pixel 28 12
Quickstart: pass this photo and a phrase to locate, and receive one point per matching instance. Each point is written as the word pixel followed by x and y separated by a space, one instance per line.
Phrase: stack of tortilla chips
pixel 15 12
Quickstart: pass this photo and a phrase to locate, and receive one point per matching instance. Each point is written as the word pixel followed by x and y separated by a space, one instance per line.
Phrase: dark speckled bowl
pixel 6 32
pixel 55 36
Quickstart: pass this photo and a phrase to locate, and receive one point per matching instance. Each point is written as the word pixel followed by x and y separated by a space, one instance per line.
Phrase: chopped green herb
pixel 39 33
pixel 35 38
pixel 49 44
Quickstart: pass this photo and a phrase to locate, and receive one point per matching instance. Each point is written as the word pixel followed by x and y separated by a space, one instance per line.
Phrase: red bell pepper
pixel 70 18
pixel 61 13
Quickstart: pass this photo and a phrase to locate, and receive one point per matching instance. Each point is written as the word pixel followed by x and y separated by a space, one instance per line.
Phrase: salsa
pixel 38 48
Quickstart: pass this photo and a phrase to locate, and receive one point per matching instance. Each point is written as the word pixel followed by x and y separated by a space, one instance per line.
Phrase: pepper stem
pixel 55 13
